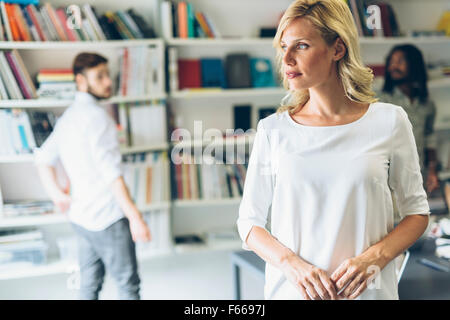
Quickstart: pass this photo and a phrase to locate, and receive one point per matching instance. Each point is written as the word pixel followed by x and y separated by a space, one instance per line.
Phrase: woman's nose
pixel 288 59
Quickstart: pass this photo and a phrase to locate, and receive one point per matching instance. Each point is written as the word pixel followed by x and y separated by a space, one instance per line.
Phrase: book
pixel 8 78
pixel 182 20
pixel 90 15
pixel 166 19
pixel 42 124
pixel 22 25
pixel 5 21
pixel 13 23
pixel 147 124
pixel 145 28
pixel 190 18
pixel 55 21
pixel 213 74
pixel 261 73
pixel 189 73
pixel 237 70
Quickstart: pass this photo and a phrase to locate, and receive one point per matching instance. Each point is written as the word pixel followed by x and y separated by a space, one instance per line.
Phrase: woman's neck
pixel 328 100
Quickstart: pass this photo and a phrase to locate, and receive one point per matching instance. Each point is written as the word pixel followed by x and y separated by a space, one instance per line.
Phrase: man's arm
pixel 138 227
pixel 59 197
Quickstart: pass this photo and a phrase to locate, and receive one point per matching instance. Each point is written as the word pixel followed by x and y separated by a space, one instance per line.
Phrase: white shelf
pixel 26 221
pixel 63 103
pixel 237 140
pixel 208 202
pixel 57 218
pixel 17 158
pixel 25 270
pixel 225 93
pixel 28 158
pixel 155 206
pixel 146 148
pixel 444 175
pixel 220 42
pixel 55 266
pixel 46 45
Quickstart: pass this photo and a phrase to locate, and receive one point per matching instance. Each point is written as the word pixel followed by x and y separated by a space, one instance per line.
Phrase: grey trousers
pixel 112 249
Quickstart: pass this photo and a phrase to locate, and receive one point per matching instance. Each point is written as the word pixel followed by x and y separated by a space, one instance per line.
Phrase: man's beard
pixel 91 92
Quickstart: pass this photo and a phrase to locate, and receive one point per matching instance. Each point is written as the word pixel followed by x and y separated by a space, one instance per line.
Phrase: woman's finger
pixel 354 284
pixel 311 291
pixel 345 279
pixel 359 290
pixel 329 286
pixel 303 292
pixel 320 288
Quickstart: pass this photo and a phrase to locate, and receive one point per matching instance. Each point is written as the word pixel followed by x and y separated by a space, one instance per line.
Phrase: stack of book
pixel 206 179
pixel 389 25
pixel 180 20
pixel 140 124
pixel 146 176
pixel 27 208
pixel 22 131
pixel 140 71
pixel 32 22
pixel 56 84
pixel 22 246
pixel 15 81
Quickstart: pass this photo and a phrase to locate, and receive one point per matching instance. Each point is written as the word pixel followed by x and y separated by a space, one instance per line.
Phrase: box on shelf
pixel 33 252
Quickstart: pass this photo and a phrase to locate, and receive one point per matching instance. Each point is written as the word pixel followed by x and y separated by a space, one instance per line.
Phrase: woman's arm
pixel 304 276
pixel 355 272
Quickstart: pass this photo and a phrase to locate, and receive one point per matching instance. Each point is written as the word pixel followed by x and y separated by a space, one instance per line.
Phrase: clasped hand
pixel 348 281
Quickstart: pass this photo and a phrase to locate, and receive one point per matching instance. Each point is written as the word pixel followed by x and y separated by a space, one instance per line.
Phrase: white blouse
pixel 329 190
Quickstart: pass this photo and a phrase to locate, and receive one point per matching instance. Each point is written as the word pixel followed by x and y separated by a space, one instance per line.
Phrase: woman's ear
pixel 339 49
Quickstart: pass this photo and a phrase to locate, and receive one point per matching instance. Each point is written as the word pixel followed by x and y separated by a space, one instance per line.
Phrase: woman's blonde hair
pixel 333 19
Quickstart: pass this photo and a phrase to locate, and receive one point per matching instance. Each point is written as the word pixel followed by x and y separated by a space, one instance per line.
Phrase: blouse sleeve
pixel 405 178
pixel 258 187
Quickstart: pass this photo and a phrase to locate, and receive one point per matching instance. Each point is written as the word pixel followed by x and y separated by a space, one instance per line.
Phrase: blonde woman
pixel 325 164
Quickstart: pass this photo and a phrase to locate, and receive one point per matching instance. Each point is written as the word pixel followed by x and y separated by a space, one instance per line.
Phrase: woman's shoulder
pixel 387 109
pixel 273 121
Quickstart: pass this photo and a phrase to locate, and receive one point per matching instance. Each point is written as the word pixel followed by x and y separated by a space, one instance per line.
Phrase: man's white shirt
pixel 85 141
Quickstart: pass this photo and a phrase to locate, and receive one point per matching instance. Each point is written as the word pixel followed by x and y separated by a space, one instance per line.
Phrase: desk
pixel 418 281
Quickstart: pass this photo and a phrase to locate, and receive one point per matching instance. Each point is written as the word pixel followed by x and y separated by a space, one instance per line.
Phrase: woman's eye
pixel 302 46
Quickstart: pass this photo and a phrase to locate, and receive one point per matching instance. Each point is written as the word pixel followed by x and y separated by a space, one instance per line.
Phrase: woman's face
pixel 308 61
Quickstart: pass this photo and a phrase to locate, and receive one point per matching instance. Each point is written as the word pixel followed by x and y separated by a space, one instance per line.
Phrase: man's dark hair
pixel 87 60
pixel 417 73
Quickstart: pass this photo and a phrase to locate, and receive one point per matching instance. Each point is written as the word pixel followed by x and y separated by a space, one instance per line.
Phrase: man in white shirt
pixel 99 206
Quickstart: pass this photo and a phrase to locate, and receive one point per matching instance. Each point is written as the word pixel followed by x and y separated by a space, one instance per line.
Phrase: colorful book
pixel 189 73
pixel 182 20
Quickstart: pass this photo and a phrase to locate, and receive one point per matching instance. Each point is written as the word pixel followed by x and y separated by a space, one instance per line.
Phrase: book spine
pixel 35 22
pixel 54 20
pixel 166 20
pixel 190 20
pixel 182 20
pixel 19 78
pixel 61 15
pixel 13 22
pixel 6 22
pixel 22 24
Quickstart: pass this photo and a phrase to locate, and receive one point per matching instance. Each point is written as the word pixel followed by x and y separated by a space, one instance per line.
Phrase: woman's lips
pixel 292 75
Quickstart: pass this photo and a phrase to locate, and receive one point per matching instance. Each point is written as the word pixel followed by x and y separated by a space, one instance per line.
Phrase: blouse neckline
pixel 353 123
